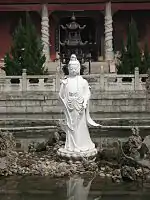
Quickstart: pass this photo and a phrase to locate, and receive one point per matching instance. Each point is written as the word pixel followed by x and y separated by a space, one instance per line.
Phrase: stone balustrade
pixel 98 82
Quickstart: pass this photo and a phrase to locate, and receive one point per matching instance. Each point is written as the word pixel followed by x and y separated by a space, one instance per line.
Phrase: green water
pixel 75 188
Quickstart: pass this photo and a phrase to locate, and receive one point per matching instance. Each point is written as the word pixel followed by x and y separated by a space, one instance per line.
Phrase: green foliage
pixel 26 51
pixel 145 60
pixel 123 67
pixel 130 55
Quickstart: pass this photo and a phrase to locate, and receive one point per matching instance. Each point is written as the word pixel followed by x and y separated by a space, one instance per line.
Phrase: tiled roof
pixel 68 1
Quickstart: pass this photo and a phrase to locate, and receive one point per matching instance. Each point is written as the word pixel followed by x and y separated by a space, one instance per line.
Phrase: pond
pixel 73 188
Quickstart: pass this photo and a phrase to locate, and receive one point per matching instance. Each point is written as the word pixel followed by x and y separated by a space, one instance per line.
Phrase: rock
pixel 47 162
pixel 102 175
pixel 146 141
pixel 144 151
pixel 110 152
pixel 116 179
pixel 8 155
pixel 53 138
pixel 139 172
pixel 41 147
pixel 133 144
pixel 135 154
pixel 108 175
pixel 128 173
pixel 56 136
pixel 146 171
pixel 3 163
pixel 7 141
pixel 103 169
pixel 42 159
pixel 108 169
pixel 78 162
pixel 116 172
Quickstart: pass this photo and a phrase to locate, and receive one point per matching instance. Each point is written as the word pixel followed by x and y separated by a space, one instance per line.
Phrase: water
pixel 97 135
pixel 75 188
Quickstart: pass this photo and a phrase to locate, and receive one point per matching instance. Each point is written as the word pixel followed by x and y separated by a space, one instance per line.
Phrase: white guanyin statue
pixel 75 95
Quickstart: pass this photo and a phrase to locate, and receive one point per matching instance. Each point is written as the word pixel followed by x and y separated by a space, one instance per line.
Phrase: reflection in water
pixel 76 190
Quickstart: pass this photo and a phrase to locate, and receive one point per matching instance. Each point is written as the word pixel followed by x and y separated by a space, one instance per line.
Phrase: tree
pixel 123 66
pixel 26 51
pixel 14 59
pixel 130 54
pixel 145 60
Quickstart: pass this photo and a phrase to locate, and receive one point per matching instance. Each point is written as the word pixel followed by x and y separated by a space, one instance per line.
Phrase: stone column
pixel 45 33
pixel 109 53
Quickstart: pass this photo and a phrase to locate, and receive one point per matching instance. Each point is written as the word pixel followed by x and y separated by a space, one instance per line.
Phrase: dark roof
pixel 68 1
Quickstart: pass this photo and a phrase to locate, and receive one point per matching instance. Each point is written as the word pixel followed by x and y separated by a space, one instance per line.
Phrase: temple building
pixel 105 23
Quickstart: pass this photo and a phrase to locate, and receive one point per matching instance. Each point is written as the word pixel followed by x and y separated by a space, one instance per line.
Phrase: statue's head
pixel 74 68
pixel 73 57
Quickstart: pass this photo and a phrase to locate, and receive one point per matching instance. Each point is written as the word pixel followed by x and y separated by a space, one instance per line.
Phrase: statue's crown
pixel 74 63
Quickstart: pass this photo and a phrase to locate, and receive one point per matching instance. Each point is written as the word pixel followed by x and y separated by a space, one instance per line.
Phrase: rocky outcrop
pixel 41 159
pixel 8 155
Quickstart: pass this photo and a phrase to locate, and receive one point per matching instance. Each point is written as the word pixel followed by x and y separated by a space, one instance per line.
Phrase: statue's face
pixel 73 57
pixel 74 69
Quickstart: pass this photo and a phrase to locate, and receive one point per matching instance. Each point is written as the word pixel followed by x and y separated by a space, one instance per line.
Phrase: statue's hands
pixel 84 104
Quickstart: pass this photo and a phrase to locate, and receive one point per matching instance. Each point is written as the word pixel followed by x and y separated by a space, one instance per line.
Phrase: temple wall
pixel 5 37
pixel 47 106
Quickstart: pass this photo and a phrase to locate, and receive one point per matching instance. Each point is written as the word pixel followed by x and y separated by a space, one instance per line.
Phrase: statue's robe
pixel 74 92
pixel 76 189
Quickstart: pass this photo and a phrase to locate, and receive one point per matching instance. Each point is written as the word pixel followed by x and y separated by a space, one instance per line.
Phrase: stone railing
pixel 28 83
pixel 115 82
pixel 98 82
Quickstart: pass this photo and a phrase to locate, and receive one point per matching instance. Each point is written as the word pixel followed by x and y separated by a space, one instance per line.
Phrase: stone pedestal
pixel 62 152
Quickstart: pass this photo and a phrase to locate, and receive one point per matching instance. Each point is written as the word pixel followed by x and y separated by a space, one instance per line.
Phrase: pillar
pixel 45 33
pixel 109 53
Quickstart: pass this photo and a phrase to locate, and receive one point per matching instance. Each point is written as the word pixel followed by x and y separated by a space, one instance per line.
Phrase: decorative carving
pixel 109 54
pixel 45 33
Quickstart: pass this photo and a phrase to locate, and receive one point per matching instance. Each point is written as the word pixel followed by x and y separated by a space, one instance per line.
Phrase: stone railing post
pixel 2 74
pixel 102 79
pixel 136 79
pixel 57 86
pixel 24 80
